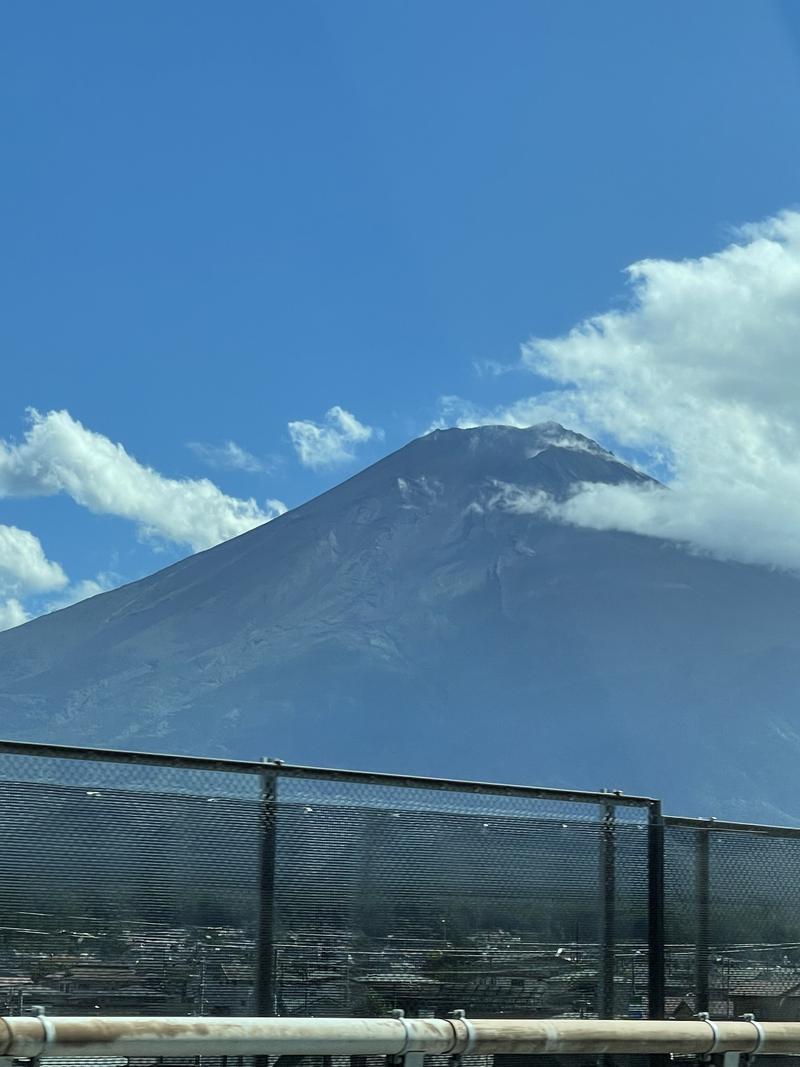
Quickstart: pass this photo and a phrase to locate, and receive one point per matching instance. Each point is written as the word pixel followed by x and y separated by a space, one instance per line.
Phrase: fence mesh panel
pixel 429 901
pixel 134 885
pixel 681 921
pixel 733 920
pixel 127 888
pixel 141 885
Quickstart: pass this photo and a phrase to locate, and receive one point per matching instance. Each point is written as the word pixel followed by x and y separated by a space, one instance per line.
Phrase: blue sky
pixel 220 219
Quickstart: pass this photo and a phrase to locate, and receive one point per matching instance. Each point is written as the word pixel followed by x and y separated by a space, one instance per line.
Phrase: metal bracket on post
pixel 747 1058
pixel 731 1059
pixel 404 1058
pixel 459 1015
pixel 39 1012
pixel 711 1056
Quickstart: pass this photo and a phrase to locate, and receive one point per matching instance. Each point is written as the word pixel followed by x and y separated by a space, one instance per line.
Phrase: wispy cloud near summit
pixel 699 374
pixel 230 456
pixel 331 442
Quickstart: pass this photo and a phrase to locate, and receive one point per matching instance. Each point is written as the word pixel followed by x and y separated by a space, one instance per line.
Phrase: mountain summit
pixel 407 621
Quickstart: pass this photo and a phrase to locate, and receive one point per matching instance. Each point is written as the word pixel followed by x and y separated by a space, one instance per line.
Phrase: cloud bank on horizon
pixel 700 375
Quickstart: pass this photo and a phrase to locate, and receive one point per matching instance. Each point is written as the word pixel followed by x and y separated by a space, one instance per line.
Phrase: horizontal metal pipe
pixel 24 1036
pixel 289 770
pixel 763 829
pixel 193 1036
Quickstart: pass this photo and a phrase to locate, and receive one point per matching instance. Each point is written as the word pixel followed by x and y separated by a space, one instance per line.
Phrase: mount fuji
pixel 409 621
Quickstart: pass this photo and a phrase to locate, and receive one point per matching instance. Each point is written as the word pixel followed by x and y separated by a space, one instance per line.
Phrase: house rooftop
pixel 767 987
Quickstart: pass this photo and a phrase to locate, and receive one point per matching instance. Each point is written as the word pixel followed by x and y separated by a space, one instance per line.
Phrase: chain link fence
pixel 143 884
pixel 127 886
pixel 732 920
pixel 138 884
pixel 428 899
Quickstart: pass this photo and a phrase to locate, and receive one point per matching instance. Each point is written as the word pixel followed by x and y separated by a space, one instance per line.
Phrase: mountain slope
pixel 404 621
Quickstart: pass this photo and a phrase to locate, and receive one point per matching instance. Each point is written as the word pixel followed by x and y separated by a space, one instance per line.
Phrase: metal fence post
pixel 655 932
pixel 608 922
pixel 265 993
pixel 702 891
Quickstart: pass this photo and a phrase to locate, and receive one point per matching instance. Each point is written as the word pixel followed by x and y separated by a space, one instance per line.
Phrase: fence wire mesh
pixel 144 885
pixel 422 900
pixel 126 887
pixel 733 920
pixel 137 884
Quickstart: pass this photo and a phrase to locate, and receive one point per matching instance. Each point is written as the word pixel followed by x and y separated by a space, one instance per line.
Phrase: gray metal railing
pixel 40 1036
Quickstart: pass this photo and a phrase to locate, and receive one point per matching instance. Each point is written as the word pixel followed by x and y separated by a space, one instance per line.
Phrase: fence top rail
pixel 764 829
pixel 287 770
pixel 34 1036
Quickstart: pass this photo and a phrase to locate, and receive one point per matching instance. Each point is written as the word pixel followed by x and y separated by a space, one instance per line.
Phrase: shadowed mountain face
pixel 408 621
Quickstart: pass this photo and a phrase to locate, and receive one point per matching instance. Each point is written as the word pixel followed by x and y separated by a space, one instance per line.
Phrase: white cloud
pixel 24 567
pixel 230 456
pixel 332 441
pixel 25 570
pixel 82 590
pixel 492 368
pixel 700 373
pixel 59 455
pixel 12 614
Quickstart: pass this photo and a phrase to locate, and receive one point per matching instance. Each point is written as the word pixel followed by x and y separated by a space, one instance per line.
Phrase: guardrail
pixel 403 1040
